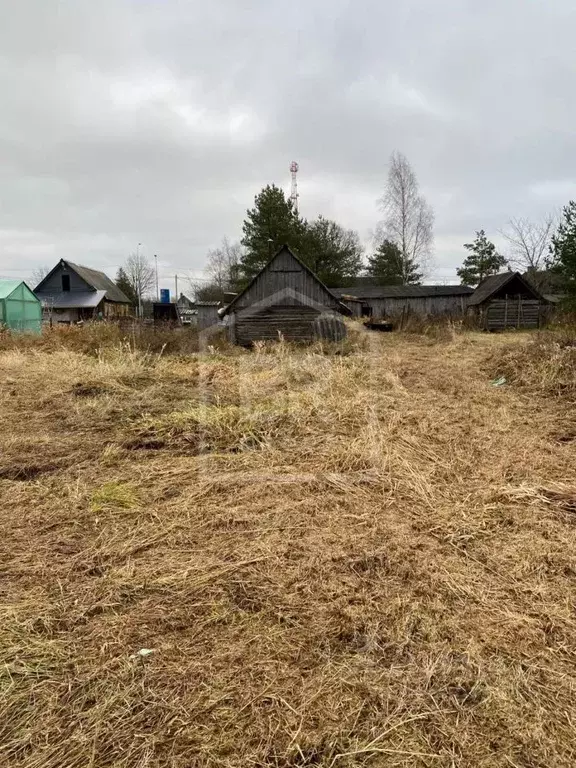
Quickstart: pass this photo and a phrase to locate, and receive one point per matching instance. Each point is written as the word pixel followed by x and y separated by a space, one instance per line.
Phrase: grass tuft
pixel 289 556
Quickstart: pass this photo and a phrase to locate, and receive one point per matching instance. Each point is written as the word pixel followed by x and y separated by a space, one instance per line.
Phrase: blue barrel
pixel 164 295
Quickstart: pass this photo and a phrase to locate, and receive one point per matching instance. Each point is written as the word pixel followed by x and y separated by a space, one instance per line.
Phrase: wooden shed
pixel 207 314
pixel 285 299
pixel 508 300
pixel 380 301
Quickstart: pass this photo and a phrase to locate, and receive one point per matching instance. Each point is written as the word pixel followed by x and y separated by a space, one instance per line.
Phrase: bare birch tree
pixel 222 272
pixel 39 274
pixel 408 218
pixel 224 265
pixel 529 242
pixel 140 274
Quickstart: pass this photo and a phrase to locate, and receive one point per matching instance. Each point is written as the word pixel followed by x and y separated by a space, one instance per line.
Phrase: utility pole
pixel 157 289
pixel 176 288
pixel 139 282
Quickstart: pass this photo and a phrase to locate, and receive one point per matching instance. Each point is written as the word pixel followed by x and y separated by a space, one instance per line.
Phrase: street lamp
pixel 139 273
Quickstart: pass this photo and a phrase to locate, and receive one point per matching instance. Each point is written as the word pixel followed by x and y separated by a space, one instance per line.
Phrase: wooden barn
pixel 380 301
pixel 285 299
pixel 508 300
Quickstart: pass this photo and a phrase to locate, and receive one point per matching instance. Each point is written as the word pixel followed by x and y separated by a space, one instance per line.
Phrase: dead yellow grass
pixel 285 558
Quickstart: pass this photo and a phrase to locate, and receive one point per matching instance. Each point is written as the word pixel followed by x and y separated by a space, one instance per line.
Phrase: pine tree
pixel 389 268
pixel 482 261
pixel 563 250
pixel 123 282
pixel 333 253
pixel 272 222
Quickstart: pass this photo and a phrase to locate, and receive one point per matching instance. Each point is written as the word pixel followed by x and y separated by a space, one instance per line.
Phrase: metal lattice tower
pixel 294 167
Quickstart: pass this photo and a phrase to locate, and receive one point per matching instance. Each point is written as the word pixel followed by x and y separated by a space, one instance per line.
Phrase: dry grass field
pixel 287 558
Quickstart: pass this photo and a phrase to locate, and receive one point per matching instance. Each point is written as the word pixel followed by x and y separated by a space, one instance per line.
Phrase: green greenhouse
pixel 20 310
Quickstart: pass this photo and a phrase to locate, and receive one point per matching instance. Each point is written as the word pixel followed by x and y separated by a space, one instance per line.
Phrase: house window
pixel 65 282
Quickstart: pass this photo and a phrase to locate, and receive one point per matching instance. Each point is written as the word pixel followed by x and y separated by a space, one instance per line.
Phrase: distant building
pixel 508 300
pixel 20 309
pixel 208 314
pixel 379 301
pixel 285 299
pixel 70 293
pixel 187 310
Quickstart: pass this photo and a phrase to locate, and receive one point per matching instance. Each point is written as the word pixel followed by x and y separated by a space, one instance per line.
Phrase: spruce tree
pixel 387 266
pixel 482 261
pixel 332 252
pixel 123 282
pixel 563 250
pixel 272 222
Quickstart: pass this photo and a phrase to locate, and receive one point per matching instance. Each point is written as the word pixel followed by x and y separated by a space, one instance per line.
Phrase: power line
pixel 170 275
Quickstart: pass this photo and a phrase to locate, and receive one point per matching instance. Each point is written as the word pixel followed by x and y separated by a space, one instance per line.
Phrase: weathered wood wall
pixel 354 305
pixel 421 305
pixel 513 312
pixel 207 316
pixel 53 286
pixel 285 300
pixel 284 276
pixel 292 322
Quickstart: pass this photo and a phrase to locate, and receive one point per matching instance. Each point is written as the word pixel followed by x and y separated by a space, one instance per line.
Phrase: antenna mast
pixel 294 168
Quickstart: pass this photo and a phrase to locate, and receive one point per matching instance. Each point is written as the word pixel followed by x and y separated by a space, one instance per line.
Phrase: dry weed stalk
pixel 286 558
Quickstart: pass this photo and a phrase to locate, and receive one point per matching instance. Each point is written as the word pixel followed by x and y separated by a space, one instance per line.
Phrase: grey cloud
pixel 135 121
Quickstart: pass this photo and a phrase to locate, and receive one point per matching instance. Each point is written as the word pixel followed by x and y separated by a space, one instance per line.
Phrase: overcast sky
pixel 157 121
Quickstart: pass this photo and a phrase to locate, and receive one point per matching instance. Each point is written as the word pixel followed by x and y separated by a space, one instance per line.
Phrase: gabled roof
pixel 494 283
pixel 97 280
pixel 341 307
pixel 364 291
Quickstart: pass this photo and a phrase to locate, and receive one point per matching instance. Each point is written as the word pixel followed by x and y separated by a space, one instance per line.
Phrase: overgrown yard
pixel 289 558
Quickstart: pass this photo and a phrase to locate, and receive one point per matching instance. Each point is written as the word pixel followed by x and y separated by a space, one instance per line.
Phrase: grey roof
pixel 100 282
pixel 494 283
pixel 74 299
pixel 207 303
pixel 401 291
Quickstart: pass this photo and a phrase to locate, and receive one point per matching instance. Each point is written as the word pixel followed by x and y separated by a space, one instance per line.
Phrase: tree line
pixel 402 249
pixel 403 241
pixel 545 251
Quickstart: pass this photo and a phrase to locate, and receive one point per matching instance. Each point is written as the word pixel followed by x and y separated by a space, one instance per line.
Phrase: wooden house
pixel 508 300
pixel 70 293
pixel 285 299
pixel 380 301
pixel 187 310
